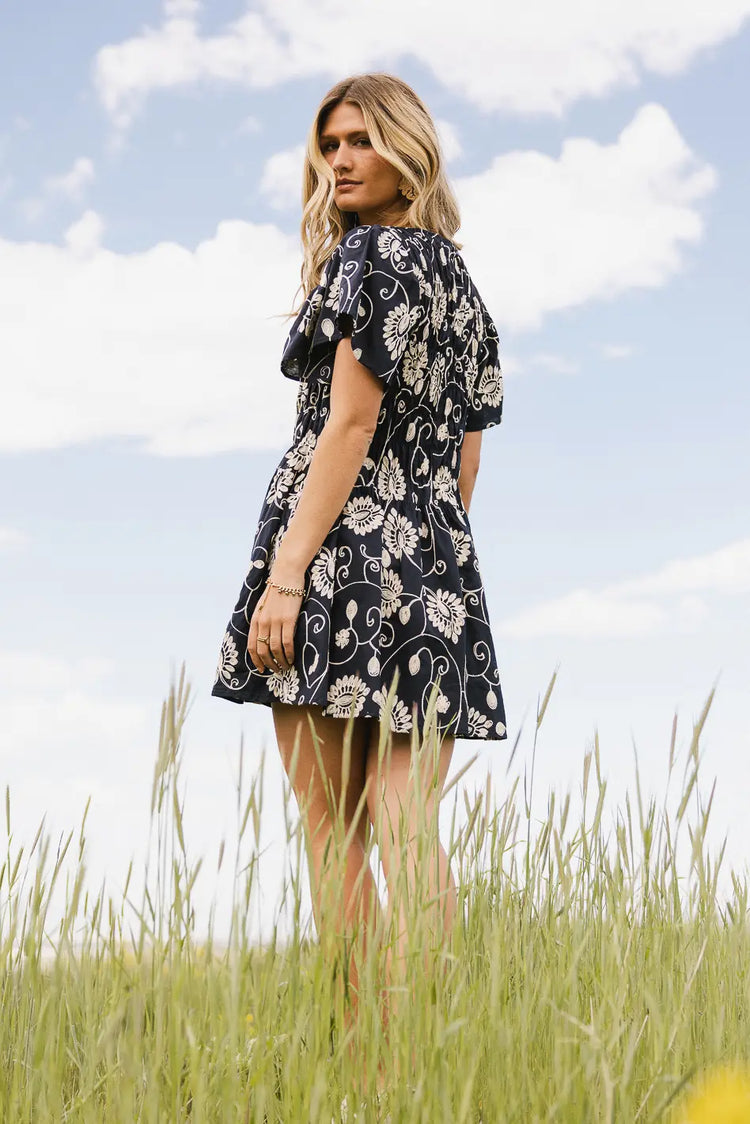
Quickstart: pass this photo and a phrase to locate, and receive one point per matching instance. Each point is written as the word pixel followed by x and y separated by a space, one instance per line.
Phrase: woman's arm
pixel 356 395
pixel 470 457
pixel 339 454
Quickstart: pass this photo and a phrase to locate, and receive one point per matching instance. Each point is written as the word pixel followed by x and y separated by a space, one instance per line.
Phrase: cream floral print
pixel 349 691
pixel 391 481
pixel 394 603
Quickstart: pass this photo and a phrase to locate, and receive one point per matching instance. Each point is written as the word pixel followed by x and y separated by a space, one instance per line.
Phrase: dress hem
pixel 267 699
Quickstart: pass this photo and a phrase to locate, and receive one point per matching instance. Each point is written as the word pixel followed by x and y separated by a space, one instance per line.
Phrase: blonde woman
pixel 364 599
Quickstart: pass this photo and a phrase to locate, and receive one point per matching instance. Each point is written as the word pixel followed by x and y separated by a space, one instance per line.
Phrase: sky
pixel 150 160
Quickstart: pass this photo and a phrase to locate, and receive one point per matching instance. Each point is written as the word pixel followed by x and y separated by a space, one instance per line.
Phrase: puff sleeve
pixel 374 296
pixel 485 383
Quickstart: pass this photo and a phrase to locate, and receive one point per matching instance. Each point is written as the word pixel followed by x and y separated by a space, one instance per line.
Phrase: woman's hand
pixel 276 616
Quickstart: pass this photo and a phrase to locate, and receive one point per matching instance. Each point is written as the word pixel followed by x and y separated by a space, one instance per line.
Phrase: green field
pixel 592 974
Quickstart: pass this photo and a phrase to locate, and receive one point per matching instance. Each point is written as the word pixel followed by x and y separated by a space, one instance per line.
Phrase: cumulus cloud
pixel 672 598
pixel 174 347
pixel 84 236
pixel 551 233
pixel 281 179
pixel 72 183
pixel 450 142
pixel 177 348
pixel 493 55
pixel 68 185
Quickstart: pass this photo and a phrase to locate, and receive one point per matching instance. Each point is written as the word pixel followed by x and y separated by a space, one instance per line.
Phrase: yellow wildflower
pixel 722 1098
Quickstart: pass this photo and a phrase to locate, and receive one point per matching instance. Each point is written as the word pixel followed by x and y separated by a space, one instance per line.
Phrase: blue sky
pixel 149 162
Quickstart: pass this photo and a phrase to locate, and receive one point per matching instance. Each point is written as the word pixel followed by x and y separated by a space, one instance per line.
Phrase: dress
pixel 395 589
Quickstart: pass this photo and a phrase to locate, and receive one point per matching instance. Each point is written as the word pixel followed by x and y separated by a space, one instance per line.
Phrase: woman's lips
pixel 346 186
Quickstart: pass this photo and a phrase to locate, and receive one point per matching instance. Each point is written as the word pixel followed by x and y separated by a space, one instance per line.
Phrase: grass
pixel 590 976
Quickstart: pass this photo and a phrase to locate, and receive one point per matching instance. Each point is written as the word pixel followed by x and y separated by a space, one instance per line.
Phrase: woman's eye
pixel 363 140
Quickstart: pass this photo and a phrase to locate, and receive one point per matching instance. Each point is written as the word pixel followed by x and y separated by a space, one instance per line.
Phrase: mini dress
pixel 394 616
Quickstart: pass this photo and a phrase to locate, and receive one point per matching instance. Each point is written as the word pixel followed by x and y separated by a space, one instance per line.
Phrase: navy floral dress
pixel 395 589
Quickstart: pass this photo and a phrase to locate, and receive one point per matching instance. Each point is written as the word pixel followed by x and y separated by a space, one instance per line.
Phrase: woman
pixel 363 606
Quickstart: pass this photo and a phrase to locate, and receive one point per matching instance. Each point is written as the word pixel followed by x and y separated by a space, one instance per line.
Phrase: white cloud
pixel 56 711
pixel 281 180
pixel 11 538
pixel 556 364
pixel 249 124
pixel 616 350
pixel 492 54
pixel 21 669
pixel 550 233
pixel 72 183
pixel 68 185
pixel 84 236
pixel 450 141
pixel 66 737
pixel 177 348
pixel 670 599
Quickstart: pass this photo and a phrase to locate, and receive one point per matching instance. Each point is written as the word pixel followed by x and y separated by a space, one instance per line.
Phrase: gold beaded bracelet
pixel 287 589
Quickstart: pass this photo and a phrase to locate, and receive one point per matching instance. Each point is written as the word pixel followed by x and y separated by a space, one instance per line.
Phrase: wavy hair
pixel 402 131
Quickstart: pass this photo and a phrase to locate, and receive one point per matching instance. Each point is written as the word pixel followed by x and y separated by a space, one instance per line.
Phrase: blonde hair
pixel 402 131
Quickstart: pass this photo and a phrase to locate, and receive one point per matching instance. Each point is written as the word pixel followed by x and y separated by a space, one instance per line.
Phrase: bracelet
pixel 286 589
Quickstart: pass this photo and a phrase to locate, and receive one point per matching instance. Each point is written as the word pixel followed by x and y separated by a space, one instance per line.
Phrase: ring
pixel 263 639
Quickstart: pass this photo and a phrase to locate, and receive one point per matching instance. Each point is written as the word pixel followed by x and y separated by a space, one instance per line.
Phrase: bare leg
pixel 329 791
pixel 403 793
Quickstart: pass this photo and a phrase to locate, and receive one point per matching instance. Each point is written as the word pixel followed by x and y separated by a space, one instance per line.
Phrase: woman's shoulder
pixel 400 249
pixel 383 236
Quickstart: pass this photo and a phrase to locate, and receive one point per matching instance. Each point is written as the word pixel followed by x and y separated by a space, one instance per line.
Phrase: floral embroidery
pixel 391 483
pixel 362 514
pixel 347 695
pixel 284 684
pixel 391 592
pixel 227 658
pixel 446 611
pixel 323 569
pixel 399 534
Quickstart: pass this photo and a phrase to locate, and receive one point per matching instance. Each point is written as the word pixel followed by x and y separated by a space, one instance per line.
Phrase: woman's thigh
pixel 315 789
pixel 393 784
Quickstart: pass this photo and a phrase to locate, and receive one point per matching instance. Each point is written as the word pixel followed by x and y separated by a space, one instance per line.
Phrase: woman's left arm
pixel 356 395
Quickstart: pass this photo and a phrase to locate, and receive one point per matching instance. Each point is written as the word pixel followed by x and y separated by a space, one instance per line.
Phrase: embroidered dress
pixel 396 583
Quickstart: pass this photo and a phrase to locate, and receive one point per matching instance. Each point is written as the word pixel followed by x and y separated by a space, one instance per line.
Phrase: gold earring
pixel 407 189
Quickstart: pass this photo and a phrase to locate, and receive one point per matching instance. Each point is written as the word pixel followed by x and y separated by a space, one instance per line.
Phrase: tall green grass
pixel 592 974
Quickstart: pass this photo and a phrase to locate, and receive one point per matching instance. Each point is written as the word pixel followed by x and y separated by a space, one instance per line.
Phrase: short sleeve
pixel 375 297
pixel 485 383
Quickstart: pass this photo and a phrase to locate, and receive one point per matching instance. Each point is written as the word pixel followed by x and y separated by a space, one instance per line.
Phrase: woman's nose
pixel 342 159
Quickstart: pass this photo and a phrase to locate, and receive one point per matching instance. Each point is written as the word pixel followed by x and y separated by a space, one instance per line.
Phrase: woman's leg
pixel 394 808
pixel 332 806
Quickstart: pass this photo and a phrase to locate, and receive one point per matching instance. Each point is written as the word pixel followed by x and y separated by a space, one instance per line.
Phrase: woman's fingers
pixel 287 640
pixel 265 652
pixel 278 653
pixel 252 645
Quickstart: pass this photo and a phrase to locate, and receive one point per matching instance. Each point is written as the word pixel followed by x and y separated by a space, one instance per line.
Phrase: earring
pixel 407 189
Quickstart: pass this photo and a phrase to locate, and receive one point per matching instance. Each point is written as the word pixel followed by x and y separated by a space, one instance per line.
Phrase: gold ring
pixel 263 639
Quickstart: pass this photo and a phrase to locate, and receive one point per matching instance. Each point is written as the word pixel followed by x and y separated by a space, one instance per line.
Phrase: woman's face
pixel 372 187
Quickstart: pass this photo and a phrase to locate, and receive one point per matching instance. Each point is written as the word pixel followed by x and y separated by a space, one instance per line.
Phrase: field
pixel 592 975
